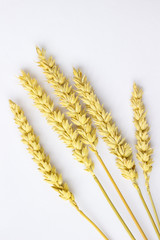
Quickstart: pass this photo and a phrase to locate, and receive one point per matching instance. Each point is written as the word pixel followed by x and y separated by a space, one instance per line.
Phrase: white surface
pixel 114 43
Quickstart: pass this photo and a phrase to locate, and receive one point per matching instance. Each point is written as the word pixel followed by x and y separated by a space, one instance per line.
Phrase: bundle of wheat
pixel 66 132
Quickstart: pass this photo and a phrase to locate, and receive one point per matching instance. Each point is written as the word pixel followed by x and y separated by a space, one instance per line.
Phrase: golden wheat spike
pixel 43 161
pixel 144 150
pixel 107 128
pixel 36 150
pixel 65 130
pixel 68 99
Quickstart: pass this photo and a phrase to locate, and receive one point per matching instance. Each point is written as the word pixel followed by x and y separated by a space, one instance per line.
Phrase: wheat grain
pixel 144 150
pixel 57 120
pixel 36 150
pixel 65 130
pixel 106 127
pixel 43 161
pixel 68 99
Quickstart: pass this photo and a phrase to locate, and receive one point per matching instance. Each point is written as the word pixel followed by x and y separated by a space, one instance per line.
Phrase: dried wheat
pixel 36 150
pixel 43 161
pixel 65 130
pixel 71 102
pixel 144 150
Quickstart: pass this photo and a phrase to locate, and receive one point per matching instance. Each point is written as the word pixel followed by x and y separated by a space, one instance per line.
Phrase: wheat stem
pixel 121 196
pixel 50 174
pixel 154 208
pixel 90 221
pixel 71 102
pixel 60 124
pixel 147 210
pixel 113 207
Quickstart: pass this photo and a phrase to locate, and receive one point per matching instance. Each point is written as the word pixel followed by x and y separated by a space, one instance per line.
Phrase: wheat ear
pixel 68 99
pixel 107 128
pixel 71 102
pixel 65 130
pixel 43 161
pixel 144 150
pixel 39 157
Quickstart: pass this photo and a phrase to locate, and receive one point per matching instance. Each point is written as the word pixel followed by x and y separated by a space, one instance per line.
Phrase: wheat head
pixel 144 150
pixel 68 99
pixel 107 128
pixel 36 150
pixel 57 120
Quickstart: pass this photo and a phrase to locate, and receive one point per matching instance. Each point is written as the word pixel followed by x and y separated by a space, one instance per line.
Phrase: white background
pixel 115 43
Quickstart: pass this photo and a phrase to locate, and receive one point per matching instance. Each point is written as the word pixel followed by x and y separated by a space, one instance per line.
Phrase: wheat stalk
pixel 65 130
pixel 107 128
pixel 43 161
pixel 144 150
pixel 71 102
